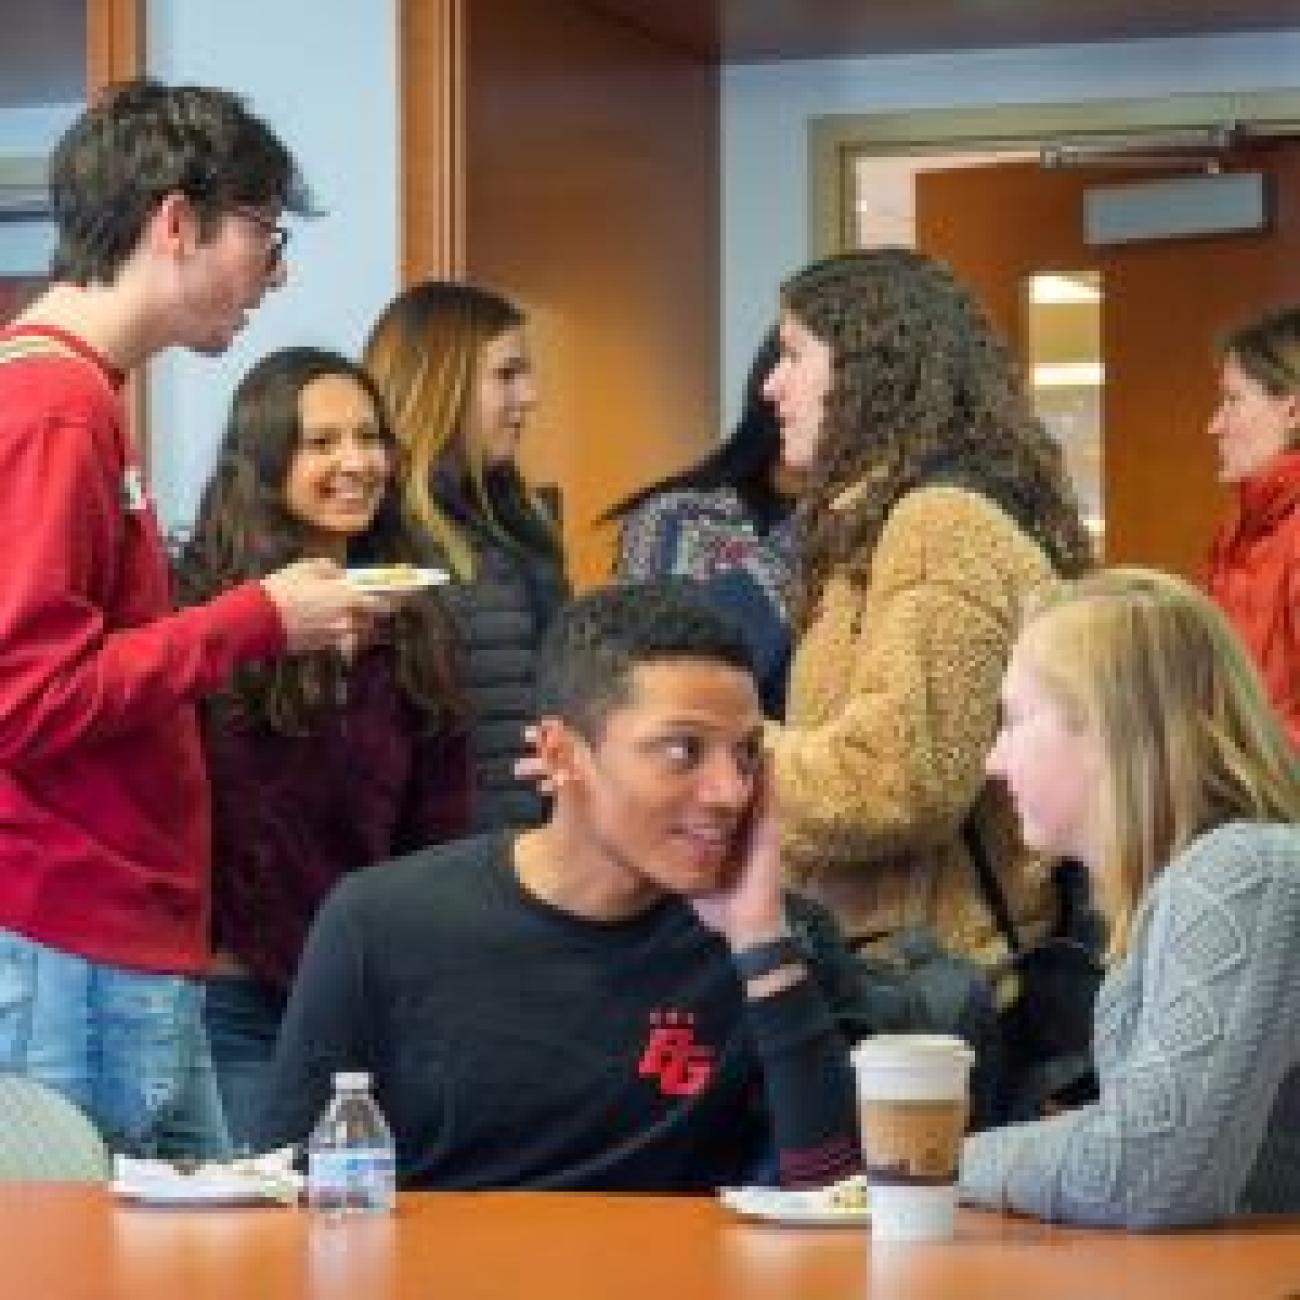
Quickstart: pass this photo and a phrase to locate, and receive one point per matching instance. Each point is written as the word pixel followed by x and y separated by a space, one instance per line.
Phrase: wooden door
pixel 1164 305
pixel 581 164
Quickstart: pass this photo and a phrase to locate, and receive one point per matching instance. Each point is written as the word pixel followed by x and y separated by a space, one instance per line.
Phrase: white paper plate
pixel 198 1190
pixel 813 1209
pixel 155 1182
pixel 396 580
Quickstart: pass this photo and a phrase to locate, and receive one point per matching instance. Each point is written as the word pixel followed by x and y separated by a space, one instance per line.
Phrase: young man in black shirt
pixel 621 998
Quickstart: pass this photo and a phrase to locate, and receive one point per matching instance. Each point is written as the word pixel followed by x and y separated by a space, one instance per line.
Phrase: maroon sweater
pixel 292 815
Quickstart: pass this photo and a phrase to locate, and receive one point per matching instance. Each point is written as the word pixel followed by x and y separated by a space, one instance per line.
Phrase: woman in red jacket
pixel 1254 566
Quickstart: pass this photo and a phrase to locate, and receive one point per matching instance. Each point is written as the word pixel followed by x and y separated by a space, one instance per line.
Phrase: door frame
pixel 116 51
pixel 432 44
pixel 836 141
pixel 115 42
pixel 839 142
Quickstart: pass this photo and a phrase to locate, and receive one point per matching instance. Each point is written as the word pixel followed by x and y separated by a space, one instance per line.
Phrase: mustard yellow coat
pixel 892 707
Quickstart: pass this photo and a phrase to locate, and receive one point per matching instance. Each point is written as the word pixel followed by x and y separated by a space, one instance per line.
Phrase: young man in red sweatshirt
pixel 168 202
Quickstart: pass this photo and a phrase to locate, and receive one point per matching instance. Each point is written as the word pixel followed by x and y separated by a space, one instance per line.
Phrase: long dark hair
pixel 244 530
pixel 922 388
pixel 747 460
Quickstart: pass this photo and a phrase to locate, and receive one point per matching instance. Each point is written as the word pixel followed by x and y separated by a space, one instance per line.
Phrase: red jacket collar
pixel 1270 495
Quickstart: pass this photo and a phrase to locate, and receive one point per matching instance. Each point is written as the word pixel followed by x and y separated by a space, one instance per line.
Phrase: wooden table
pixel 60 1242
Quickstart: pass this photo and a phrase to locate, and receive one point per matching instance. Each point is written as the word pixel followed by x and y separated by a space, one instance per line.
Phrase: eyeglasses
pixel 277 236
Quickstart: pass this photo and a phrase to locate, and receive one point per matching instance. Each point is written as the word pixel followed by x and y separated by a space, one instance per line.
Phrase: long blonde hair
pixel 1189 739
pixel 423 354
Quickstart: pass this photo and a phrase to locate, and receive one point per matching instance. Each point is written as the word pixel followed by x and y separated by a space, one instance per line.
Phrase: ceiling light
pixel 1069 374
pixel 1053 290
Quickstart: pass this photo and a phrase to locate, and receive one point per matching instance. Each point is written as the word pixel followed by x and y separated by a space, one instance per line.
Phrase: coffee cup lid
pixel 926 1047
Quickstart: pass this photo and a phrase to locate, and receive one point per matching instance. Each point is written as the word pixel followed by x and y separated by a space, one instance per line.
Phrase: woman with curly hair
pixel 935 503
pixel 452 363
pixel 320 763
pixel 1136 735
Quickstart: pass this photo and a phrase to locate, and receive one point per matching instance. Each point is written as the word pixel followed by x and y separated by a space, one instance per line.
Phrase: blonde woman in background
pixel 1137 737
pixel 451 362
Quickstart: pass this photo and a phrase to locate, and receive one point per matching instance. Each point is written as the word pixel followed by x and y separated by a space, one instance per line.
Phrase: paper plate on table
pixel 258 1180
pixel 396 579
pixel 839 1206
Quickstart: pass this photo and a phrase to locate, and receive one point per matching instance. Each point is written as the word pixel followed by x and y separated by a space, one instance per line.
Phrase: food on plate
pixel 849 1193
pixel 384 575
pixel 395 577
pixel 838 1205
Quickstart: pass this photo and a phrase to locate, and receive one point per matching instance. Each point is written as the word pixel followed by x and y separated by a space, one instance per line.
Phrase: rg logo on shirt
pixel 682 1066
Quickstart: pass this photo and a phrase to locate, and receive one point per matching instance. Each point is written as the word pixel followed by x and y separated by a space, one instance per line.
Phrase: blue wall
pixel 30 133
pixel 767 110
pixel 324 74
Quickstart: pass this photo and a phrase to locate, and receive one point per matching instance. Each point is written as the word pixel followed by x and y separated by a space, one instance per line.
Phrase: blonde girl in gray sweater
pixel 1136 736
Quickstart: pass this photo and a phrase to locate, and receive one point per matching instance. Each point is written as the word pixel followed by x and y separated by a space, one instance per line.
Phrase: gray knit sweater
pixel 1198 1055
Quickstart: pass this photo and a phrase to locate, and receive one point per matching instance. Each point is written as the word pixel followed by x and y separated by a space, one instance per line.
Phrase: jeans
pixel 127 1046
pixel 243 1018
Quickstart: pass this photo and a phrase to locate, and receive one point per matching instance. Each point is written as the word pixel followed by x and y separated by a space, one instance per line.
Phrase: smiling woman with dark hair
pixel 324 763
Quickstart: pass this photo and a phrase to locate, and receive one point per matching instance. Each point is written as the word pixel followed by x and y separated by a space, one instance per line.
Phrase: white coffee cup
pixel 913 1100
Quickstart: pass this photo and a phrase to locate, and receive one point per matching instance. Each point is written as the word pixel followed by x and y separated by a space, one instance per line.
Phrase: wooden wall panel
pixel 114 42
pixel 1165 303
pixel 115 51
pixel 592 197
pixel 431 52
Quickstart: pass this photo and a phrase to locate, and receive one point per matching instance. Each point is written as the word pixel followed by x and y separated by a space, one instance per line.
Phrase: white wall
pixel 323 73
pixel 767 108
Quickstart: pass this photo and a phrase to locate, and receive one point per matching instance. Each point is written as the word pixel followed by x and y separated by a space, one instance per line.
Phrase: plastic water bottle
pixel 351 1164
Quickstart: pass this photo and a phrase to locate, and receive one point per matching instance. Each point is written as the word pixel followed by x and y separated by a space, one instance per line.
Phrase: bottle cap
pixel 351 1081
